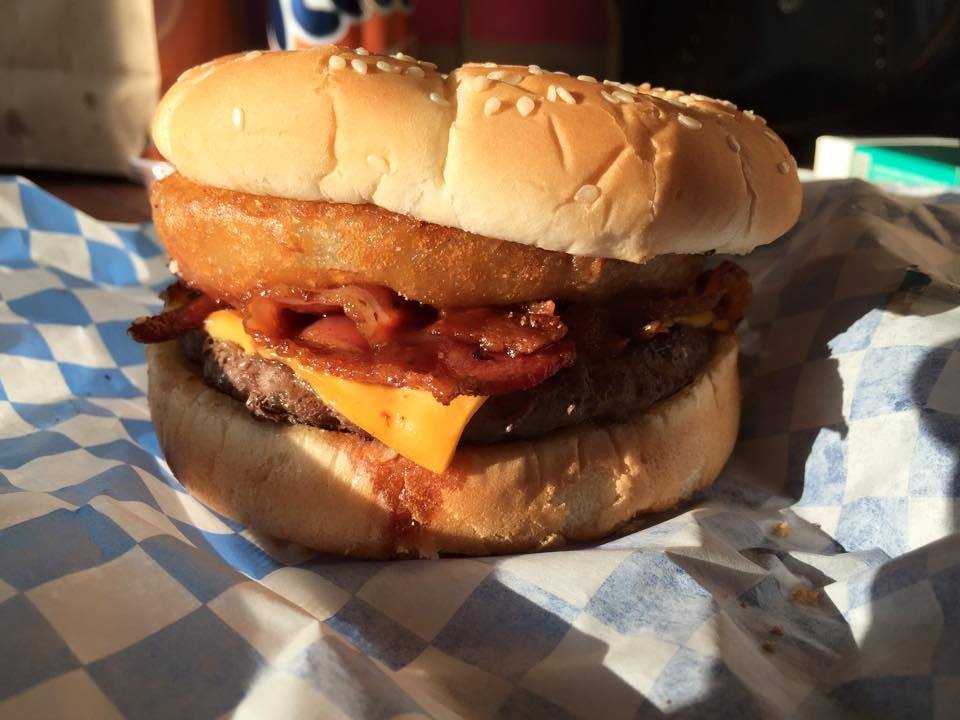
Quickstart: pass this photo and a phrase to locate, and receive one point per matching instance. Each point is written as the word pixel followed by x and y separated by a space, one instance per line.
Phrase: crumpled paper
pixel 820 577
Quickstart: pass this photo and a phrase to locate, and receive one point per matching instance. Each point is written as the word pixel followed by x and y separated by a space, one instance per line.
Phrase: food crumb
pixel 781 529
pixel 570 408
pixel 777 630
pixel 508 428
pixel 767 647
pixel 805 596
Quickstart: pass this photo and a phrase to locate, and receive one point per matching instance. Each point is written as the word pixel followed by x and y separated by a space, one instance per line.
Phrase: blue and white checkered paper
pixel 120 595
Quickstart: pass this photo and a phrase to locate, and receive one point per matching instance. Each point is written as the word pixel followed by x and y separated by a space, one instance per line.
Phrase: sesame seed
pixel 378 163
pixel 750 114
pixel 336 62
pixel 525 106
pixel 402 56
pixel 570 408
pixel 587 194
pixel 689 122
pixel 608 97
pixel 699 98
pixel 508 428
pixel 361 51
pixel 237 117
pixel 481 83
pixel 674 93
pixel 506 77
pixel 611 82
pixel 732 142
pixel 426 64
pixel 415 71
pixel 552 93
pixel 359 66
pixel 657 89
pixel 202 75
pixel 565 95
pixel 587 78
pixel 629 87
pixel 644 86
pixel 438 99
pixel 727 104
pixel 489 64
pixel 561 72
pixel 195 74
pixel 784 167
pixel 535 69
pixel 252 55
pixel 386 67
pixel 173 267
pixel 623 96
pixel 491 106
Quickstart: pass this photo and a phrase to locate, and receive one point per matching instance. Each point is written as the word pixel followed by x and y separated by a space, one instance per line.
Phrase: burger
pixel 471 313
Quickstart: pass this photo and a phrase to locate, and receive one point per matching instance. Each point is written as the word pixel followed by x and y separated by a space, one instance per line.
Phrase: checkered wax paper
pixel 819 578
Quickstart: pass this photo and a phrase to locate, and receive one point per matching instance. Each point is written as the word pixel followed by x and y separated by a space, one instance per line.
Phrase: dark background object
pixel 811 67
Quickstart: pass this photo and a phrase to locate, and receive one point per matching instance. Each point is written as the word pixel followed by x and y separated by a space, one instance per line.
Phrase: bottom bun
pixel 340 493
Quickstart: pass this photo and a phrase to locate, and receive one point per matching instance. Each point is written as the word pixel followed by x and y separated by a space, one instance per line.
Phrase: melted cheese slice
pixel 412 422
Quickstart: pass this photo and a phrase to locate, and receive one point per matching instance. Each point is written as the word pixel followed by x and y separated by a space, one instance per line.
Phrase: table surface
pixel 105 198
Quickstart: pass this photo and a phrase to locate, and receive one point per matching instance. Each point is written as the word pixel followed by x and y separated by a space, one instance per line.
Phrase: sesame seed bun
pixel 340 493
pixel 509 152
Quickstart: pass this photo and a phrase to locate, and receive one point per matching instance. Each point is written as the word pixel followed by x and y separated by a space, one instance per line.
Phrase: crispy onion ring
pixel 229 243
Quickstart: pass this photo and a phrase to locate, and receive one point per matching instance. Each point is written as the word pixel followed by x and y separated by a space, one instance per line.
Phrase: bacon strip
pixel 369 334
pixel 725 290
pixel 375 310
pixel 173 321
pixel 337 333
pixel 381 339
pixel 607 329
pixel 378 313
pixel 447 368
pixel 498 330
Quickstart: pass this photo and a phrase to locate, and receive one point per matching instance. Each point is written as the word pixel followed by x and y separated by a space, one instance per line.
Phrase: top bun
pixel 511 152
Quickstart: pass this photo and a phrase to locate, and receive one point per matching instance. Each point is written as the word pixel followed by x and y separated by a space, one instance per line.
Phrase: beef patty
pixel 596 388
